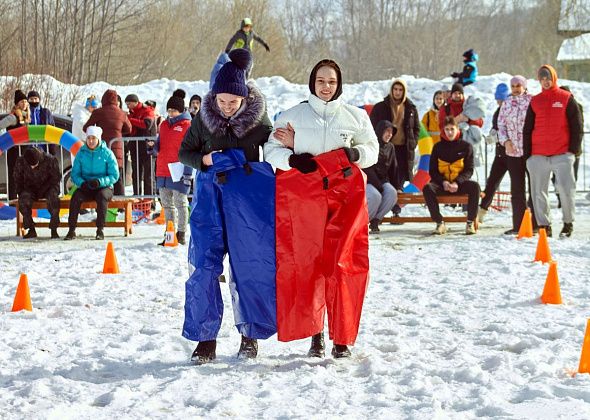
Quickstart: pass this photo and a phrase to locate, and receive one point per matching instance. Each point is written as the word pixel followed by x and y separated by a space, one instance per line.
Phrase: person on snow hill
pixel 19 117
pixel 143 123
pixel 173 194
pixel 382 177
pixel 402 113
pixel 499 167
pixel 115 124
pixel 430 118
pixel 468 114
pixel 94 172
pixel 41 116
pixel 322 252
pixel 552 137
pixel 469 73
pixel 509 122
pixel 451 168
pixel 245 37
pixel 233 213
pixel 81 114
pixel 37 176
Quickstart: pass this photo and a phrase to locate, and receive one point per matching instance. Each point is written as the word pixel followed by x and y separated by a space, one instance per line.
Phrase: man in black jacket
pixel 41 116
pixel 382 178
pixel 37 176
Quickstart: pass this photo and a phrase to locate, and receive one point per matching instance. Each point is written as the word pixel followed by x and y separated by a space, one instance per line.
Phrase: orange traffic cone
pixel 543 253
pixel 170 235
pixel 551 292
pixel 22 298
pixel 161 219
pixel 585 357
pixel 526 226
pixel 110 261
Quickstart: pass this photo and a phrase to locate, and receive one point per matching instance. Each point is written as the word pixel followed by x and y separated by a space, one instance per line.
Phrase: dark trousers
pixel 25 206
pixel 102 196
pixel 497 172
pixel 12 155
pixel 119 186
pixel 401 158
pixel 517 170
pixel 142 168
pixel 431 190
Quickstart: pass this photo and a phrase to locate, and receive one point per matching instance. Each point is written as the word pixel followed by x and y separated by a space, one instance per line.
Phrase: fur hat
pixel 32 156
pixel 94 130
pixel 175 102
pixel 232 76
pixel 502 92
pixel 19 95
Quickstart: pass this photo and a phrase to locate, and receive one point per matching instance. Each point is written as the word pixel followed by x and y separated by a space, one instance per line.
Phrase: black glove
pixel 92 184
pixel 267 48
pixel 304 163
pixel 352 154
pixel 455 74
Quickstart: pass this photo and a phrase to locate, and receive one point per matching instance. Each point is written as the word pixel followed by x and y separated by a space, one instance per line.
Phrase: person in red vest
pixel 173 194
pixel 142 120
pixel 552 136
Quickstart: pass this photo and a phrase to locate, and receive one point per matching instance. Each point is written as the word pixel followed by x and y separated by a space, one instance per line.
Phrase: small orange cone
pixel 526 226
pixel 22 298
pixel 551 292
pixel 161 219
pixel 170 235
pixel 585 357
pixel 543 253
pixel 110 261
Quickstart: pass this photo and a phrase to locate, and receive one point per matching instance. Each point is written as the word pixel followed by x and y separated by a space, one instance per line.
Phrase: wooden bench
pixel 117 202
pixel 417 198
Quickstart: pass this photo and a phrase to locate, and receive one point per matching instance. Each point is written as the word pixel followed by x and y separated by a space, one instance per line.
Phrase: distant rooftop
pixel 574 16
pixel 575 49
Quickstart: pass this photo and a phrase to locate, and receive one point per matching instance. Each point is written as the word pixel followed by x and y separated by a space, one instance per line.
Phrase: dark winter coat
pixel 451 161
pixel 38 180
pixel 210 131
pixel 385 170
pixel 41 116
pixel 244 40
pixel 113 121
pixel 382 111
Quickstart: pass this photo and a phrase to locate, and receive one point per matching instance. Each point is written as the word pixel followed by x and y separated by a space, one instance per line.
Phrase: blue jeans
pixel 380 203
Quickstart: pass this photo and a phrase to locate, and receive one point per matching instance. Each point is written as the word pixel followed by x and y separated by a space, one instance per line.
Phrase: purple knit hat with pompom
pixel 232 76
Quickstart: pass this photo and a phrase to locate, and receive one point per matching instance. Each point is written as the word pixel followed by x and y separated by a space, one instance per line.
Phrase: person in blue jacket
pixel 469 73
pixel 95 171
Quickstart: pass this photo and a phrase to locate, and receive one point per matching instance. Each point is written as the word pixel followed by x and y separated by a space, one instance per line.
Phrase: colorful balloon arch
pixel 35 134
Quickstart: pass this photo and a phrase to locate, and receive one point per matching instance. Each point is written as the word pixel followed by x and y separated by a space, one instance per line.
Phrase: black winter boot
pixel 30 234
pixel 248 348
pixel 205 352
pixel 70 235
pixel 374 226
pixel 340 351
pixel 54 234
pixel 99 235
pixel 568 229
pixel 318 346
pixel 180 238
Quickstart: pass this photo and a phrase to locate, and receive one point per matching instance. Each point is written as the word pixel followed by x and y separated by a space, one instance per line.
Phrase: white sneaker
pixel 470 228
pixel 441 229
pixel 481 214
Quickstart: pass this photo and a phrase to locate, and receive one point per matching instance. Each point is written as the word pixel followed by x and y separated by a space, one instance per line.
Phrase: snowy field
pixel 452 326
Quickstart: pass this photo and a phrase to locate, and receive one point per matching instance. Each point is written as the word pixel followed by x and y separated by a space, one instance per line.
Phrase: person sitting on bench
pixel 36 175
pixel 451 168
pixel 95 171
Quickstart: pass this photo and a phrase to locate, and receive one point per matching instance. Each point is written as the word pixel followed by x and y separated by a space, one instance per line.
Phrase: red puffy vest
pixel 551 133
pixel 170 141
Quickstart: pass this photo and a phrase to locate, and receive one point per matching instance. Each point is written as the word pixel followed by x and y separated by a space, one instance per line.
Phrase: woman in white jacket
pixel 81 114
pixel 321 213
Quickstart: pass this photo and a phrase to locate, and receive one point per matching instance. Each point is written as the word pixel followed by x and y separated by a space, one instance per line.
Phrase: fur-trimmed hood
pixel 247 117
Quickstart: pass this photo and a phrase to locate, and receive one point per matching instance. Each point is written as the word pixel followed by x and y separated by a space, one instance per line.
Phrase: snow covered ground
pixel 452 326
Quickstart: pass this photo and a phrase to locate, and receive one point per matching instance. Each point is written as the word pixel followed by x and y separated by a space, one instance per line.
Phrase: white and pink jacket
pixel 511 122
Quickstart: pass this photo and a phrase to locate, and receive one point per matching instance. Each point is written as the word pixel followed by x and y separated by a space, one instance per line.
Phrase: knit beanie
pixel 175 102
pixel 518 80
pixel 32 156
pixel 457 87
pixel 131 98
pixel 33 94
pixel 232 76
pixel 502 92
pixel 180 93
pixel 326 63
pixel 197 97
pixel 19 95
pixel 94 130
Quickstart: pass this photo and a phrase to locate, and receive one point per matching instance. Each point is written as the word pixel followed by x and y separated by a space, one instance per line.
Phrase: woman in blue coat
pixel 94 172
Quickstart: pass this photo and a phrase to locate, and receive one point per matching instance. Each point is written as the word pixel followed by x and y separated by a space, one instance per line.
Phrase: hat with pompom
pixel 232 76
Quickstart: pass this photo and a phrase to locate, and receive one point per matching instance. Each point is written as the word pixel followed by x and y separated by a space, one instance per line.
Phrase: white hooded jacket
pixel 321 127
pixel 80 116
